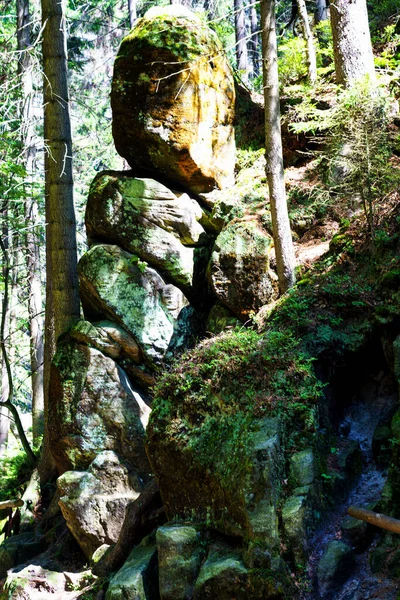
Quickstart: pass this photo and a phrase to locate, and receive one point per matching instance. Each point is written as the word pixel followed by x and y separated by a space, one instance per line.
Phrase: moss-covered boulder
pixel 239 269
pixel 93 408
pixel 117 285
pixel 223 575
pixel 180 555
pixel 138 578
pixel 144 217
pixel 93 502
pixel 173 100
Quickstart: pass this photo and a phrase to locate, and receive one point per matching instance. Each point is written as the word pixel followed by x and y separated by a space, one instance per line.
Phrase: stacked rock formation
pixel 160 268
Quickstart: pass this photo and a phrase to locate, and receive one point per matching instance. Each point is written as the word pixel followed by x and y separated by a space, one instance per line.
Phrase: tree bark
pixel 132 12
pixel 31 219
pixel 254 41
pixel 351 41
pixel 242 63
pixel 309 38
pixel 285 259
pixel 382 521
pixel 321 11
pixel 62 292
pixel 142 516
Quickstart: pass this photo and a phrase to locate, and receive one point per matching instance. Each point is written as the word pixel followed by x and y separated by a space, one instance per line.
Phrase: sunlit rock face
pixel 173 100
pixel 239 270
pixel 117 285
pixel 94 408
pixel 144 217
pixel 93 502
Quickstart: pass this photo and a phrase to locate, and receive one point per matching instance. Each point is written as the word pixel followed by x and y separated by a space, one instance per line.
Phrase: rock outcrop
pixel 93 502
pixel 118 285
pixel 95 408
pixel 173 100
pixel 239 269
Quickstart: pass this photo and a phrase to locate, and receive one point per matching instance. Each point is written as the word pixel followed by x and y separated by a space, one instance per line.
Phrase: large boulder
pixel 239 269
pixel 173 100
pixel 238 497
pixel 118 286
pixel 93 408
pixel 144 217
pixel 93 502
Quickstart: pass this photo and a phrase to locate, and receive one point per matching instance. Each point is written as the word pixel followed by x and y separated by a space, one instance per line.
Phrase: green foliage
pixel 15 471
pixel 359 146
pixel 292 64
pixel 214 396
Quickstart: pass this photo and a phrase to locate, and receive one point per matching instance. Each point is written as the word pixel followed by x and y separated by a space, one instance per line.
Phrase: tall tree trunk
pixel 351 41
pixel 132 12
pixel 62 292
pixel 4 414
pixel 242 63
pixel 254 41
pixel 285 259
pixel 321 11
pixel 31 220
pixel 308 36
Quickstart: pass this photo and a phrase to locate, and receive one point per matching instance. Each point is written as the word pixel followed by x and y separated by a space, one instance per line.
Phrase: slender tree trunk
pixel 308 36
pixel 62 292
pixel 242 62
pixel 351 41
pixel 31 220
pixel 7 401
pixel 4 414
pixel 132 12
pixel 321 11
pixel 285 259
pixel 255 41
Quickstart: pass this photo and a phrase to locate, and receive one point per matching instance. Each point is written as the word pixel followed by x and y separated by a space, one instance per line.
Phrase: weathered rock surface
pixel 116 285
pixel 173 100
pixel 111 339
pixel 37 583
pixel 223 576
pixel 138 578
pixel 93 502
pixel 145 218
pixel 334 566
pixel 240 507
pixel 239 269
pixel 179 559
pixel 94 408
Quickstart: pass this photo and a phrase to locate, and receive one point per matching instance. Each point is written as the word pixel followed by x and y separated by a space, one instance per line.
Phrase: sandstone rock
pixel 117 285
pixel 179 559
pixel 294 515
pixel 173 100
pixel 145 218
pixel 355 532
pixel 138 578
pixel 222 576
pixel 302 467
pixel 239 268
pixel 37 583
pixel 17 549
pixel 93 503
pixel 109 338
pixel 334 566
pixel 93 408
pixel 235 505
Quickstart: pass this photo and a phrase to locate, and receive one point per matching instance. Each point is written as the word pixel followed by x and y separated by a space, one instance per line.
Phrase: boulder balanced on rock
pixel 173 100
